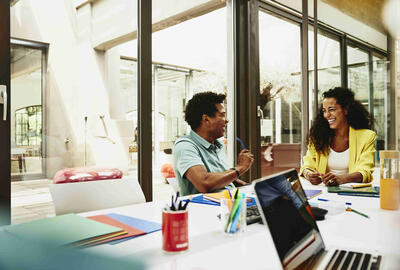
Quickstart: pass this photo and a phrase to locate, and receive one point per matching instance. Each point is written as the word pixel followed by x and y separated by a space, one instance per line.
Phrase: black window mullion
pixel 343 60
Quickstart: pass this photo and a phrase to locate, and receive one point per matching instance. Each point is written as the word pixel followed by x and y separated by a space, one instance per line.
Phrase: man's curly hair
pixel 202 103
pixel 321 135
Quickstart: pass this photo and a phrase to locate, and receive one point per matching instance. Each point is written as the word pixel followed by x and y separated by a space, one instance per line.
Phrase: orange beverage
pixel 390 193
pixel 390 179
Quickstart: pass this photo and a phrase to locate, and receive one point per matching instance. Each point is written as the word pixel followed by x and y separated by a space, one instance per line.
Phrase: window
pixel 28 126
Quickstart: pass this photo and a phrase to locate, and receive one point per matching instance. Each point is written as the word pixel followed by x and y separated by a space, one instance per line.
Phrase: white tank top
pixel 338 162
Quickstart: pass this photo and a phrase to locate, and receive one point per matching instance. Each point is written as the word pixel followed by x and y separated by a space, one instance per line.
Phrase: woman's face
pixel 334 113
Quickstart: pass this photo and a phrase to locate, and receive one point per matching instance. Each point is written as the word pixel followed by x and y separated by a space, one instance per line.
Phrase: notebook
pixel 285 211
pixel 344 189
pixel 311 193
pixel 69 229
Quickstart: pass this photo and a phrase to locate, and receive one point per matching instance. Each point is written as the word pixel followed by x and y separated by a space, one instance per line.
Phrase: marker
pixel 326 200
pixel 241 143
pixel 357 212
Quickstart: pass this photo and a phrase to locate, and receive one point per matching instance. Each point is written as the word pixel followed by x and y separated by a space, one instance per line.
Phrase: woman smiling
pixel 340 141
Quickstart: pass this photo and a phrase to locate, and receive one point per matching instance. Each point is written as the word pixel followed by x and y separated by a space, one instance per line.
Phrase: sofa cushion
pixel 81 174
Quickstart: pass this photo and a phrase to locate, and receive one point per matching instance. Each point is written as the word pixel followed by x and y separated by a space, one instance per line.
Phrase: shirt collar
pixel 196 137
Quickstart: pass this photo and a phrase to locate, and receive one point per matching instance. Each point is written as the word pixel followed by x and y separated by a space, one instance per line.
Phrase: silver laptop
pixel 285 211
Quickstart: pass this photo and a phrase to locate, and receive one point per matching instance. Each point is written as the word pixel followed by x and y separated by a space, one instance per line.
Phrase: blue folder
pixel 141 224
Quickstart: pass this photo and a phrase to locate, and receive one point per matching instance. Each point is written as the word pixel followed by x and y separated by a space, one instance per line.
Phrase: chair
pixel 173 183
pixel 95 195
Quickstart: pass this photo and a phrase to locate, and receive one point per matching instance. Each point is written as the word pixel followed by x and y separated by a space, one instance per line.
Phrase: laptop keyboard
pixel 252 215
pixel 343 259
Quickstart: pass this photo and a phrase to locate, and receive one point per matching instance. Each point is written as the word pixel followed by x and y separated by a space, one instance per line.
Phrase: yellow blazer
pixel 362 150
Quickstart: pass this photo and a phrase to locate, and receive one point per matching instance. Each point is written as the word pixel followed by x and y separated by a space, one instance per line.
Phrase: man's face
pixel 218 122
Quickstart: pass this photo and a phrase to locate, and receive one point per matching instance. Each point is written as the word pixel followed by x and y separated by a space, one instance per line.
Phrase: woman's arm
pixel 365 163
pixel 308 170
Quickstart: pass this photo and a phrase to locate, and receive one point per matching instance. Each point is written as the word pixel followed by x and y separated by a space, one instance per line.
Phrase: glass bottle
pixel 390 179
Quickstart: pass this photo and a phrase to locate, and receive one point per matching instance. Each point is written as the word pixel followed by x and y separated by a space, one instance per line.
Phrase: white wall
pixel 76 84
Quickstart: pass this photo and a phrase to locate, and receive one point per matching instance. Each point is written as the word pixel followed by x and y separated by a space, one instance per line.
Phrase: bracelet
pixel 236 171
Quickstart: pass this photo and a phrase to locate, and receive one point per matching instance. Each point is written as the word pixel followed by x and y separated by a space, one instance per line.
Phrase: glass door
pixel 280 81
pixel 26 110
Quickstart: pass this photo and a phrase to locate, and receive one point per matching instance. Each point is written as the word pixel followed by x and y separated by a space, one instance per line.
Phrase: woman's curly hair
pixel 202 103
pixel 321 135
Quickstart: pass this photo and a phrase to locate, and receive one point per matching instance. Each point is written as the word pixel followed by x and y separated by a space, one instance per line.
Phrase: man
pixel 199 158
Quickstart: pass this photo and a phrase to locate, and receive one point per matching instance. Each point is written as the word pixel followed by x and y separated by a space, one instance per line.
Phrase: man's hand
pixel 331 179
pixel 314 177
pixel 245 160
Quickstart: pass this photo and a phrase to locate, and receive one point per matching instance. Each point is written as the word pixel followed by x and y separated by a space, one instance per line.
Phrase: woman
pixel 340 142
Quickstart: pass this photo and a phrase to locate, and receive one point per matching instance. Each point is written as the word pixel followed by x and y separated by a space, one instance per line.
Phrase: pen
pixel 357 212
pixel 185 205
pixel 313 171
pixel 326 200
pixel 241 143
pixel 180 205
pixel 172 204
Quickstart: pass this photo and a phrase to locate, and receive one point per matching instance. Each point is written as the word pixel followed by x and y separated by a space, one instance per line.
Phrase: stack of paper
pixel 63 230
pixel 140 224
pixel 74 230
pixel 363 191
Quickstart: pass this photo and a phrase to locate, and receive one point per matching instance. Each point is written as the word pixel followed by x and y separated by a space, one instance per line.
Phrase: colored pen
pixel 236 215
pixel 357 212
pixel 185 205
pixel 326 200
pixel 241 143
pixel 172 208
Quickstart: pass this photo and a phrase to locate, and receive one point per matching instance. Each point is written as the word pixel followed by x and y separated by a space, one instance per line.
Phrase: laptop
pixel 285 211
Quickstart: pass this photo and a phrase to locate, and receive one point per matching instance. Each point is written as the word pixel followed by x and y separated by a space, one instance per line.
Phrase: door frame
pixel 5 162
pixel 44 47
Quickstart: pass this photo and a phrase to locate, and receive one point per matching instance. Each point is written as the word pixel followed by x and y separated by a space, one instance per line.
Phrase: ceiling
pixel 367 11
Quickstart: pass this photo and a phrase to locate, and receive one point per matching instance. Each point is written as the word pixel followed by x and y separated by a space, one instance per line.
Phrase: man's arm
pixel 205 181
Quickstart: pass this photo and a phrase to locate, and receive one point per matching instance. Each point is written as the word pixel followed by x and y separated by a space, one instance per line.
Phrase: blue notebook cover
pixel 311 193
pixel 141 224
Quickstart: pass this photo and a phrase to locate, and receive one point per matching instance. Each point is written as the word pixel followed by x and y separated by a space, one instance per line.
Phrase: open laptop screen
pixel 285 209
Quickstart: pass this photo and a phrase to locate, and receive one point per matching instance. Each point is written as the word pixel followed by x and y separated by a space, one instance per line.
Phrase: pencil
pixel 362 185
pixel 357 212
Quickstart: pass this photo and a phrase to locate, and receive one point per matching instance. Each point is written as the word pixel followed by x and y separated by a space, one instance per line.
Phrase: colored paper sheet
pixel 98 240
pixel 311 193
pixel 61 230
pixel 202 200
pixel 215 197
pixel 141 224
pixel 130 231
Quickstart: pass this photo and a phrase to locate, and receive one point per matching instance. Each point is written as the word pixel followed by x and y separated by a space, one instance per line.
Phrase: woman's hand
pixel 314 177
pixel 331 179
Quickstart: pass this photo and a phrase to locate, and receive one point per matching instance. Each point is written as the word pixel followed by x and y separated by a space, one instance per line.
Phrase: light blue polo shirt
pixel 191 150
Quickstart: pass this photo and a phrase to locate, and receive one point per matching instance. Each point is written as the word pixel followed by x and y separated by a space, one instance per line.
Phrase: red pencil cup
pixel 175 230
